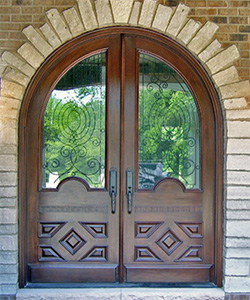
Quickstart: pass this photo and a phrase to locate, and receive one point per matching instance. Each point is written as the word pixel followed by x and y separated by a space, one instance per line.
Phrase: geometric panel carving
pixel 193 230
pixel 96 254
pixel 97 230
pixel 169 242
pixel 49 229
pixel 48 253
pixel 72 241
pixel 145 254
pixel 192 253
pixel 145 230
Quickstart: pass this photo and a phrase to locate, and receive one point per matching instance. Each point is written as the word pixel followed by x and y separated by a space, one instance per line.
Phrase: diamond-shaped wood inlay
pixel 48 253
pixel 97 230
pixel 145 230
pixel 96 254
pixel 193 230
pixel 169 242
pixel 145 254
pixel 49 229
pixel 72 241
pixel 192 253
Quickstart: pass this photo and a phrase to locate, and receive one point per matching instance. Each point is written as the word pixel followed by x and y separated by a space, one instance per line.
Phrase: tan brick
pixel 31 55
pixel 17 62
pixel 238 146
pixel 207 53
pixel 8 162
pixel 235 90
pixel 87 14
pixel 75 24
pixel 50 35
pixel 37 40
pixel 103 12
pixel 178 20
pixel 147 12
pixel 135 13
pixel 188 31
pixel 242 114
pixel 223 59
pixel 230 75
pixel 9 103
pixel 121 10
pixel 8 136
pixel 235 103
pixel 203 38
pixel 238 129
pixel 162 17
pixel 59 25
pixel 17 76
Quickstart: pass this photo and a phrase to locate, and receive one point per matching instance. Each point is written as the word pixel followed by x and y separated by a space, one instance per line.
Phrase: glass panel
pixel 74 125
pixel 169 131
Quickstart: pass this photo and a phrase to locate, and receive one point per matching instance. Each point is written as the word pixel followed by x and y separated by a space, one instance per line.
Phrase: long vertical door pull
pixel 129 188
pixel 113 188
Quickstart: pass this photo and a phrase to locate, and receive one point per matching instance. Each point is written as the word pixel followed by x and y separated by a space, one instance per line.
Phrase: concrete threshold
pixel 122 294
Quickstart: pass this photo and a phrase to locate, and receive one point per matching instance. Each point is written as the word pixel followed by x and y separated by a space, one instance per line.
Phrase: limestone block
pixel 3 66
pixel 8 216
pixel 31 55
pixel 8 113
pixel 121 10
pixel 238 162
pixel 238 146
pixel 238 228
pixel 238 177
pixel 8 243
pixel 203 37
pixel 230 75
pixel 38 41
pixel 238 129
pixel 7 122
pixel 8 192
pixel 235 253
pixel 50 35
pixel 9 289
pixel 87 14
pixel 178 19
pixel 74 22
pixel 211 49
pixel 8 202
pixel 15 61
pixel 162 17
pixel 17 76
pixel 135 13
pixel 238 192
pixel 9 269
pixel 243 114
pixel 9 103
pixel 235 103
pixel 237 284
pixel 223 59
pixel 8 179
pixel 188 31
pixel 235 90
pixel 237 267
pixel 147 12
pixel 8 162
pixel 8 258
pixel 11 89
pixel 8 136
pixel 241 242
pixel 8 278
pixel 103 11
pixel 238 215
pixel 59 25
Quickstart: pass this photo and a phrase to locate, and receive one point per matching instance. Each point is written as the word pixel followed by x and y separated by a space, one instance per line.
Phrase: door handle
pixel 129 189
pixel 113 188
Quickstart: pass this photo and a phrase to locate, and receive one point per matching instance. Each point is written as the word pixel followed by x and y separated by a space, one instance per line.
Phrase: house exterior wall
pixel 227 65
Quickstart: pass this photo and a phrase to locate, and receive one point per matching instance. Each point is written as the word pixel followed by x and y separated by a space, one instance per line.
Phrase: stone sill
pixel 122 294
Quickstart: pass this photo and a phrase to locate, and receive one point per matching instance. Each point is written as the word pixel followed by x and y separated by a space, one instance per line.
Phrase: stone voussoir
pixel 188 31
pixel 103 12
pixel 37 40
pixel 50 35
pixel 178 20
pixel 87 13
pixel 135 13
pixel 11 89
pixel 203 37
pixel 210 51
pixel 162 17
pixel 121 10
pixel 74 22
pixel 230 75
pixel 59 24
pixel 147 12
pixel 235 90
pixel 31 55
pixel 16 75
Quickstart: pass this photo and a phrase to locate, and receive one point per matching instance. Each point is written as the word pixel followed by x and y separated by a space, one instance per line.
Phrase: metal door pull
pixel 113 188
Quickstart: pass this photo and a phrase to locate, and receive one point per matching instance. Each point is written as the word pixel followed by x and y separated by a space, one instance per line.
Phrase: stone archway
pixel 59 28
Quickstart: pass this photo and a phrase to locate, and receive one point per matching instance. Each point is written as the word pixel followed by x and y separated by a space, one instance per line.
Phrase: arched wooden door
pixel 118 148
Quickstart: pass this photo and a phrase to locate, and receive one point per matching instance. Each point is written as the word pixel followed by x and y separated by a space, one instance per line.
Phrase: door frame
pixel 51 62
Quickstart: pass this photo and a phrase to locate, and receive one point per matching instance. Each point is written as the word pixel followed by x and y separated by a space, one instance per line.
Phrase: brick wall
pixel 233 18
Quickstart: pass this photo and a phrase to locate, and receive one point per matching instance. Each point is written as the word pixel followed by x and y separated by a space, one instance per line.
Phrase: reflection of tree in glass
pixel 74 136
pixel 169 132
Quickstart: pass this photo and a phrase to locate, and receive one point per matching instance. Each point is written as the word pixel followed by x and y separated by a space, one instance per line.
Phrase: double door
pixel 120 176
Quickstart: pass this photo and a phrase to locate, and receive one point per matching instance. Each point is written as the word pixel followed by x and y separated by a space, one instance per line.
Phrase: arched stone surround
pixel 17 69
